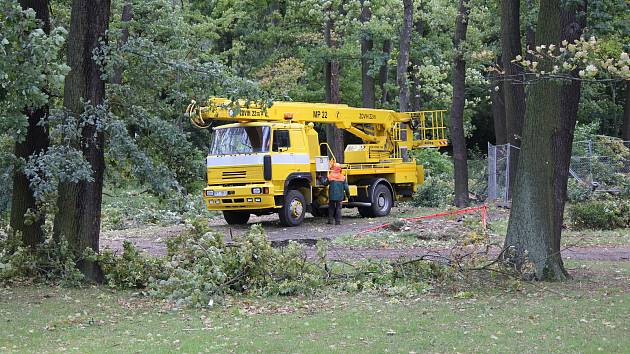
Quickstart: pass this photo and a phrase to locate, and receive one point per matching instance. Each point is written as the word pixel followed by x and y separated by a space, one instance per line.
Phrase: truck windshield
pixel 240 140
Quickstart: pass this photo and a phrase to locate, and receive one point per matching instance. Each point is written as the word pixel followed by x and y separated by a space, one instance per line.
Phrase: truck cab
pixel 261 168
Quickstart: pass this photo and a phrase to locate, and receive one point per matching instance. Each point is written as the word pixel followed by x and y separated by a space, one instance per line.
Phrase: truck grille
pixel 234 174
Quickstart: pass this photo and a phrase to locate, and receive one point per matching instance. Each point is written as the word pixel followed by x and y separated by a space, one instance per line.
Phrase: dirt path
pixel 152 239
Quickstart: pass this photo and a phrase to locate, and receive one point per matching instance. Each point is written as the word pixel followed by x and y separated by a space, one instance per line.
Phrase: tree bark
pixel 403 56
pixel 36 141
pixel 460 161
pixel 540 190
pixel 513 87
pixel 334 135
pixel 79 204
pixel 367 81
pixel 625 129
pixel 573 22
pixel 498 113
pixel 127 15
pixel 414 96
pixel 383 74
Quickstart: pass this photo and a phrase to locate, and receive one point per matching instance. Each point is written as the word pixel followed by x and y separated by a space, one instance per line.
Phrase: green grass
pixel 584 315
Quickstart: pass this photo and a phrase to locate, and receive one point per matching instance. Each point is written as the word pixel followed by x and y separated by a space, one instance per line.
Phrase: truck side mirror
pixel 267 167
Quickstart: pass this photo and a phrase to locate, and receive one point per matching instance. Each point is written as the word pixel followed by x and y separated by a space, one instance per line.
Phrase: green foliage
pixel 29 70
pixel 131 269
pixel 51 262
pixel 438 187
pixel 600 214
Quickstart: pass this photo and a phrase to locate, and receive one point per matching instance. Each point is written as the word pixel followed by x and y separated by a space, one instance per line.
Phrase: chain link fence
pixel 601 164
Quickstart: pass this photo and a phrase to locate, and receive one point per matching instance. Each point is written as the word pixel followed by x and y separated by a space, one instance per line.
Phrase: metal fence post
pixel 492 172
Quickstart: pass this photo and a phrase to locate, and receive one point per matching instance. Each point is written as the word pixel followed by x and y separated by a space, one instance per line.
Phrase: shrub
pixel 131 269
pixel 434 192
pixel 51 262
pixel 601 215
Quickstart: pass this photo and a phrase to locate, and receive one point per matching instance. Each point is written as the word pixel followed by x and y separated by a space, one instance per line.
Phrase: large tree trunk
pixel 384 71
pixel 334 135
pixel 460 161
pixel 403 56
pixel 535 219
pixel 513 87
pixel 36 141
pixel 625 129
pixel 79 215
pixel 126 16
pixel 573 21
pixel 367 81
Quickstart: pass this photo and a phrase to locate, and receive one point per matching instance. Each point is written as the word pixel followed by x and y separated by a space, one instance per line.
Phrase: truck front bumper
pixel 239 197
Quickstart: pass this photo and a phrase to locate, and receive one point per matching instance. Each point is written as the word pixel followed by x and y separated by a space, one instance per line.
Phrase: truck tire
pixel 236 217
pixel 381 200
pixel 293 210
pixel 316 211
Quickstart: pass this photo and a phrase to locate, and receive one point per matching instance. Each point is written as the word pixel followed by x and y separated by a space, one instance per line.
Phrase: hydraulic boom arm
pixel 371 125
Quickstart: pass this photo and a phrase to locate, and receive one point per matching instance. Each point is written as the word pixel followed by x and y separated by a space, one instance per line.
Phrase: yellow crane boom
pixel 368 124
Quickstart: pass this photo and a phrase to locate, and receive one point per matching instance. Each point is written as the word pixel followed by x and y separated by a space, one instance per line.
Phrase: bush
pixel 434 192
pixel 600 215
pixel 50 262
pixel 131 269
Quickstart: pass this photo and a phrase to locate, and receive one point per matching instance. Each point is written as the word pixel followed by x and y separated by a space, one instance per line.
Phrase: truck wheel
pixel 236 217
pixel 294 208
pixel 382 201
pixel 366 212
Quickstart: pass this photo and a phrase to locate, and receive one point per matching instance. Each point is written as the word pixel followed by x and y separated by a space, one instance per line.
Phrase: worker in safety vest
pixel 337 188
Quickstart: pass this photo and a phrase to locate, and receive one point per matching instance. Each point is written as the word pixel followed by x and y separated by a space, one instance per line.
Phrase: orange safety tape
pixel 483 208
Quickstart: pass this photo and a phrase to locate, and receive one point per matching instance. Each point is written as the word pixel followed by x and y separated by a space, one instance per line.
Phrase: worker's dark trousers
pixel 334 210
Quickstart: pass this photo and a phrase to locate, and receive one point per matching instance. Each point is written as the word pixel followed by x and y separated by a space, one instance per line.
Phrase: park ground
pixel 588 313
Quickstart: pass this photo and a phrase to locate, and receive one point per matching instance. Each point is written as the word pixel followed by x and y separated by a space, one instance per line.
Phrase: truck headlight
pixel 209 193
pixel 256 190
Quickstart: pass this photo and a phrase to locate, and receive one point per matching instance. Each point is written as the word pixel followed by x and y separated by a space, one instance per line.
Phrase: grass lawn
pixel 587 314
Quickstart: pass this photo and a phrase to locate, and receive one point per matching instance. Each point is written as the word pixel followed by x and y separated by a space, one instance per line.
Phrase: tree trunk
pixel 79 215
pixel 625 129
pixel 414 96
pixel 535 219
pixel 367 81
pixel 403 56
pixel 127 15
pixel 513 88
pixel 460 161
pixel 36 141
pixel 498 108
pixel 334 135
pixel 384 71
pixel 572 21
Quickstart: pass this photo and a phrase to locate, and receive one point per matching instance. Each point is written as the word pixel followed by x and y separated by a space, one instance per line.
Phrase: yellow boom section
pixel 368 124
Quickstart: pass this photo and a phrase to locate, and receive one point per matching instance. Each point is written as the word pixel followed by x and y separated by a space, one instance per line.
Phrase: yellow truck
pixel 270 159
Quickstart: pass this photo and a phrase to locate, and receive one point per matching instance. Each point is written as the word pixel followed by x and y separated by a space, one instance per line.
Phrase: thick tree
pixel 367 81
pixel 403 56
pixel 334 135
pixel 513 86
pixel 36 141
pixel 79 215
pixel 460 161
pixel 540 190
